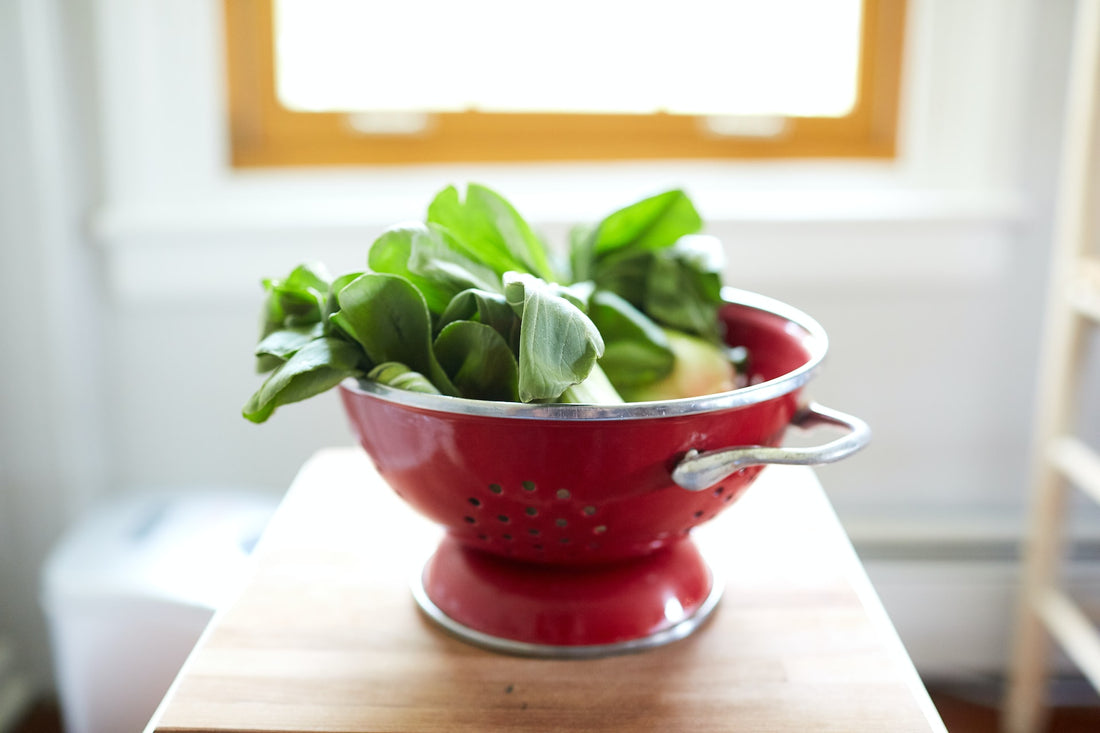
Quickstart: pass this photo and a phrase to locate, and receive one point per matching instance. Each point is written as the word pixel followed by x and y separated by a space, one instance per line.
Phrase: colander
pixel 568 526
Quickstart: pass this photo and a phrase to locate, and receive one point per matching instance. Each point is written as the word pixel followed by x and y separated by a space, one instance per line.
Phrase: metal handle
pixel 698 470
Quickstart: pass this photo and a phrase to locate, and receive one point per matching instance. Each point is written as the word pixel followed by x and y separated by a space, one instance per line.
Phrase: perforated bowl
pixel 568 526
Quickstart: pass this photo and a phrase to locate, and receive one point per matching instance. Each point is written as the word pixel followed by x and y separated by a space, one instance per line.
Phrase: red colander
pixel 568 526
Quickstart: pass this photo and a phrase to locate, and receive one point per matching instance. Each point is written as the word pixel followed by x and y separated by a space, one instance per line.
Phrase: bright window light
pixel 795 58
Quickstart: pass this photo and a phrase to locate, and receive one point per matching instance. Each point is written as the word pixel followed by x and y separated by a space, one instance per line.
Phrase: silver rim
pixel 525 649
pixel 698 471
pixel 751 395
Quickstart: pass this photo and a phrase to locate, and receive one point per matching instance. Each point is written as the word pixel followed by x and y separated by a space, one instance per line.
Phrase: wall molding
pixel 956 617
pixel 838 239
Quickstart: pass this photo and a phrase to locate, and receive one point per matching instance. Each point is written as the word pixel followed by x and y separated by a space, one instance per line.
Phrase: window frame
pixel 263 133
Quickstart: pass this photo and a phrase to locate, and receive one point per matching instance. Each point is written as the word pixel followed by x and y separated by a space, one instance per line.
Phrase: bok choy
pixel 472 303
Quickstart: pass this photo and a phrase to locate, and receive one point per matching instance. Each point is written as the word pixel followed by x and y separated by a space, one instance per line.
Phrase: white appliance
pixel 130 588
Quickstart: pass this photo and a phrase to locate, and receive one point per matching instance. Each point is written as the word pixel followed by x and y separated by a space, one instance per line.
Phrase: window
pixel 330 82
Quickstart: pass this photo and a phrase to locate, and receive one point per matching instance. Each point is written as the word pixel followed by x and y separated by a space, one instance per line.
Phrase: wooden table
pixel 326 637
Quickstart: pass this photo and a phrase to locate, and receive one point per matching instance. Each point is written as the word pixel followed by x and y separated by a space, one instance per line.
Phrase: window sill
pixel 220 247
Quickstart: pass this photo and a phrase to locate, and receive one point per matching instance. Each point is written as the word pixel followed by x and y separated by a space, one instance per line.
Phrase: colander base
pixel 567 611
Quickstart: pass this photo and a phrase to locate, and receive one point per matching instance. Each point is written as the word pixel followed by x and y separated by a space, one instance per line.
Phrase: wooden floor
pixel 966 716
pixel 959 714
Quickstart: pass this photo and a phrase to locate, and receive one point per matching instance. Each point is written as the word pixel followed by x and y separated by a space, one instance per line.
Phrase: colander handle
pixel 697 471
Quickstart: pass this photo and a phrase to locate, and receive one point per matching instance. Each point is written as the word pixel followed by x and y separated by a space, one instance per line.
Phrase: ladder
pixel 1061 460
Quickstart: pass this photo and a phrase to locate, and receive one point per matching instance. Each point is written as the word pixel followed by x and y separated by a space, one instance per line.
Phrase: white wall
pixel 144 253
pixel 53 459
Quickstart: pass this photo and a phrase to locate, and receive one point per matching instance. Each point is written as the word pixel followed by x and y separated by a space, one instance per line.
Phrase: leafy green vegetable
pixel 283 343
pixel 558 343
pixel 637 350
pixel 296 300
pixel 648 225
pixel 481 306
pixel 701 368
pixel 470 303
pixel 389 318
pixel 425 255
pixel 596 389
pixel 488 230
pixel 479 361
pixel 317 367
pixel 293 302
pixel 648 254
pixel 401 377
pixel 331 303
pixel 684 286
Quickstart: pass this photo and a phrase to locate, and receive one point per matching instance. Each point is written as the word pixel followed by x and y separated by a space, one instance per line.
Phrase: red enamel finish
pixel 566 605
pixel 562 498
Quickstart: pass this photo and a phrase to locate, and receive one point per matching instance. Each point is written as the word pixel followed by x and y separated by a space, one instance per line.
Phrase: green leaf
pixel 469 303
pixel 288 306
pixel 617 246
pixel 286 341
pixel 582 253
pixel 650 224
pixel 313 276
pixel 297 299
pixel 559 344
pixel 625 274
pixel 315 368
pixel 486 307
pixel 293 302
pixel 265 363
pixel 332 305
pixel 400 376
pixel 429 258
pixel 636 349
pixel 683 287
pixel 389 318
pixel 489 230
pixel 578 293
pixel 478 360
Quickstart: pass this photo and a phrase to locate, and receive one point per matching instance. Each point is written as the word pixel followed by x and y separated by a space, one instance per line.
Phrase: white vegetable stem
pixel 596 389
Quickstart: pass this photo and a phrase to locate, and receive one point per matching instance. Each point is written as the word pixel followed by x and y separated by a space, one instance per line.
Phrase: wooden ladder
pixel 1061 459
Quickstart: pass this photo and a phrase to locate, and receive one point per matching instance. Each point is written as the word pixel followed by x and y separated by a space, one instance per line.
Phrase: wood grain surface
pixel 326 637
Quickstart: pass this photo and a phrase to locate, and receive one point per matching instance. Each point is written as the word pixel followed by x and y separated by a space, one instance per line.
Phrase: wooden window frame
pixel 263 133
